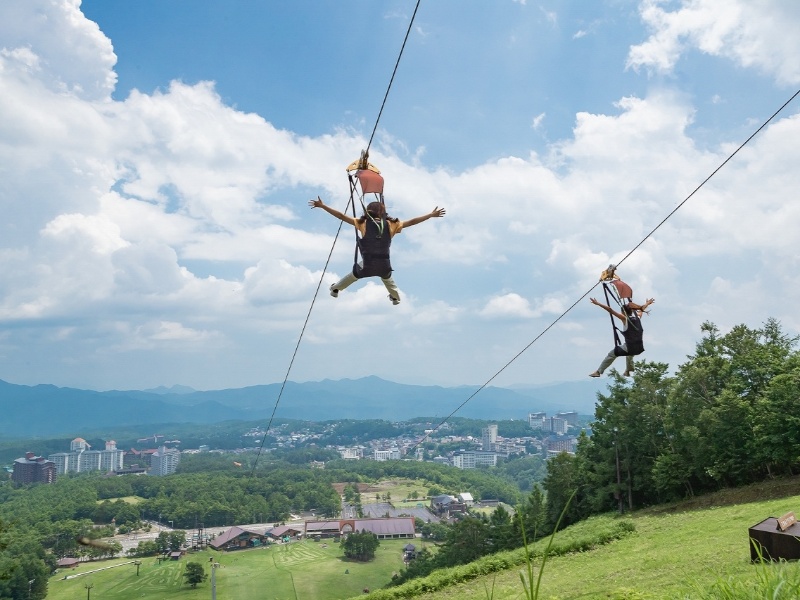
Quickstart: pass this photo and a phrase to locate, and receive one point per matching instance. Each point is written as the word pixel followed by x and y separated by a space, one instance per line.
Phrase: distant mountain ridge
pixel 40 410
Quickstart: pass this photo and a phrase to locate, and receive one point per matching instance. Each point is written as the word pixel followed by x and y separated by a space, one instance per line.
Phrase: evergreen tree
pixel 194 574
pixel 360 546
pixel 530 518
pixel 560 484
pixel 502 535
pixel 467 539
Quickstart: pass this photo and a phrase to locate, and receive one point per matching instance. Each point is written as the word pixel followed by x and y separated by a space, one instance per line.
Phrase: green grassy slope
pixel 674 551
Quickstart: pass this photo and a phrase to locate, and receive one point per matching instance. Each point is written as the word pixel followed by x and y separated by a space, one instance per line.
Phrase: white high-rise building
pixel 557 425
pixel 570 417
pixel 536 420
pixel 165 461
pixel 489 437
pixel 81 459
pixel 391 454
pixel 470 459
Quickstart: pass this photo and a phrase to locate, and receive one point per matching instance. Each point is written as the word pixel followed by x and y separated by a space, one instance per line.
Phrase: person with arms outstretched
pixel 376 229
pixel 632 331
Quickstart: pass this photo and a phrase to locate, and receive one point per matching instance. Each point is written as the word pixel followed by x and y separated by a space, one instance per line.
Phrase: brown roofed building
pixel 384 529
pixel 33 469
pixel 238 537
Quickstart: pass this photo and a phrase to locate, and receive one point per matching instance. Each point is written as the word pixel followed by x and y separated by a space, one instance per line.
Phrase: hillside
pixel 674 548
pixel 47 410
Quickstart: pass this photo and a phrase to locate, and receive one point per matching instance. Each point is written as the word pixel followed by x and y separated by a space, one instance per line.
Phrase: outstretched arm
pixel 318 203
pixel 643 308
pixel 608 309
pixel 436 212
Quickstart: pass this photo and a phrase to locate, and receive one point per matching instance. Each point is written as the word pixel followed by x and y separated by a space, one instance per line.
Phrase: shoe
pixel 394 300
pixel 595 374
pixel 626 374
pixel 334 291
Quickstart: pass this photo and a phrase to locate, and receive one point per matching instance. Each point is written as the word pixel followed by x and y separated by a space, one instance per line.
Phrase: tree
pixel 560 483
pixel 501 531
pixel 176 539
pixel 530 517
pixel 145 548
pixel 360 546
pixel 777 425
pixel 434 531
pixel 163 542
pixel 467 540
pixel 194 574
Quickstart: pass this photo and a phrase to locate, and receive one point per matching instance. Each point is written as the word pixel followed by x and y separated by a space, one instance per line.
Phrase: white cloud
pixel 550 16
pixel 508 305
pixel 171 331
pixel 66 52
pixel 759 34
pixel 173 219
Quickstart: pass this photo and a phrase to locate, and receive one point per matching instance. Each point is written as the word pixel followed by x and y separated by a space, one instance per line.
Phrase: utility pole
pixel 214 567
pixel 88 587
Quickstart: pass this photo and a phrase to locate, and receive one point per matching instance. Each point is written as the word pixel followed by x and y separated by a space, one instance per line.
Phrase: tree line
pixel 41 523
pixel 729 416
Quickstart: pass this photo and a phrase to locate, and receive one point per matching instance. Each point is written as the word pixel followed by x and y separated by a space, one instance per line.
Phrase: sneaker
pixel 394 300
pixel 334 291
pixel 595 374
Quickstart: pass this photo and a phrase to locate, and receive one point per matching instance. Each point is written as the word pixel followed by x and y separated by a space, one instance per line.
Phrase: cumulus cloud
pixel 174 220
pixel 760 34
pixel 507 305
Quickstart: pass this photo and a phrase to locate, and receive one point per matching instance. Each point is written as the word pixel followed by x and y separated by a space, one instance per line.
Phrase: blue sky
pixel 157 160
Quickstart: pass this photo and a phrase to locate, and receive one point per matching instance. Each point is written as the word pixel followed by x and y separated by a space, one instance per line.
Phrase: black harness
pixel 632 334
pixel 374 249
pixel 634 344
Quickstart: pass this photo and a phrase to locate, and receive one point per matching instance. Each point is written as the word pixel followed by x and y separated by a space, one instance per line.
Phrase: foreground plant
pixel 774 580
pixel 531 591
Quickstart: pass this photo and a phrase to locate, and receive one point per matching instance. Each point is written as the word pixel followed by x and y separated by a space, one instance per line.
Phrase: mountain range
pixel 44 410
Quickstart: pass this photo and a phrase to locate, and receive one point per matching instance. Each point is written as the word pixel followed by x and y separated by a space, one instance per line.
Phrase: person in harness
pixel 376 230
pixel 632 331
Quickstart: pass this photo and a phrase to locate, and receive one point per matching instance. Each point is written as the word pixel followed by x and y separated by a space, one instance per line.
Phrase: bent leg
pixel 344 282
pixel 628 364
pixel 607 361
pixel 391 286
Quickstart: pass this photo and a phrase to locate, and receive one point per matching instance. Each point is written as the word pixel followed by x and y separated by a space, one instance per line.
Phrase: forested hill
pixel 49 410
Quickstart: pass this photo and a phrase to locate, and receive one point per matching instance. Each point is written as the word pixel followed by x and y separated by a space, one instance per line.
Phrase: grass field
pixel 296 571
pixel 671 551
pixel 127 499
pixel 399 489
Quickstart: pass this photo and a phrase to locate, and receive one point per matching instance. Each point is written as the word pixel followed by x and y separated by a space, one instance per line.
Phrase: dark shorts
pixel 373 268
pixel 634 351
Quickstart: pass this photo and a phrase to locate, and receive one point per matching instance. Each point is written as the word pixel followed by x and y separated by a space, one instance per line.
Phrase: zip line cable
pixel 394 72
pixel 297 347
pixel 330 254
pixel 734 153
pixel 589 291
